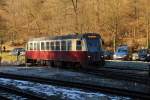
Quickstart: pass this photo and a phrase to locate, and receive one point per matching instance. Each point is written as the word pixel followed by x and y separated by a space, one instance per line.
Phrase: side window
pixel 57 45
pixel 47 45
pixel 35 46
pixel 31 46
pixel 69 45
pixel 38 46
pixel 78 45
pixel 42 46
pixel 27 46
pixel 52 46
pixel 63 45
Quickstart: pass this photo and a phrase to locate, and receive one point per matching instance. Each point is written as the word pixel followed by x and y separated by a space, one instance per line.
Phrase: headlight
pixel 114 56
pixel 148 54
pixel 89 56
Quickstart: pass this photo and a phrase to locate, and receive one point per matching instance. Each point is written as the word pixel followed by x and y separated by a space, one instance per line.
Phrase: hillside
pixel 118 21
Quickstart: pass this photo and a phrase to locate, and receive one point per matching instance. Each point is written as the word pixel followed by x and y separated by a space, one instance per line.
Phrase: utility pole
pixel 136 16
pixel 116 4
pixel 148 32
pixel 114 42
pixel 147 22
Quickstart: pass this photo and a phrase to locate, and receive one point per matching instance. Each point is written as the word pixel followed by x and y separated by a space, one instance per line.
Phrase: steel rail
pixel 118 74
pixel 3 98
pixel 114 74
pixel 19 92
pixel 127 68
pixel 85 86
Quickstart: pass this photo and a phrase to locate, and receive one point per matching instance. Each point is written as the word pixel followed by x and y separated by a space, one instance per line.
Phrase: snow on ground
pixel 11 96
pixel 62 92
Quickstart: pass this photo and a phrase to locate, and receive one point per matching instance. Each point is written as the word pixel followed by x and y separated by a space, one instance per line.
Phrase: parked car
pixel 144 55
pixel 108 55
pixel 15 51
pixel 148 57
pixel 122 53
pixel 135 56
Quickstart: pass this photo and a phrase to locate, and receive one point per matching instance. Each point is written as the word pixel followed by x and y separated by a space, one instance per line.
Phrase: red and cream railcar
pixel 83 49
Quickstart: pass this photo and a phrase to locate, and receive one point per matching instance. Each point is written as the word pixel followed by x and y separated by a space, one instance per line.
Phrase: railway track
pixel 133 75
pixel 118 74
pixel 3 98
pixel 130 74
pixel 19 92
pixel 85 86
pixel 128 68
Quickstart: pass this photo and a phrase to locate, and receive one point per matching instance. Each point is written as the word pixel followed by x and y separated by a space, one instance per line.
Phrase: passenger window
pixel 38 46
pixel 52 46
pixel 78 45
pixel 31 46
pixel 42 46
pixel 35 46
pixel 47 45
pixel 57 45
pixel 69 45
pixel 63 45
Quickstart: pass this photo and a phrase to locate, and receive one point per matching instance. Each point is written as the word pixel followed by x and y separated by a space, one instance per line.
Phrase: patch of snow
pixel 63 92
pixel 11 96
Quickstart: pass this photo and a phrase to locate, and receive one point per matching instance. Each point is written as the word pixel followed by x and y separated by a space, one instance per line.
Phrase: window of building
pixel 31 46
pixel 57 45
pixel 63 45
pixel 69 46
pixel 78 45
pixel 47 45
pixel 42 46
pixel 52 46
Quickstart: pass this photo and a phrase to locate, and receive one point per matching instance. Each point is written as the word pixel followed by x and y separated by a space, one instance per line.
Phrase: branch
pixel 75 6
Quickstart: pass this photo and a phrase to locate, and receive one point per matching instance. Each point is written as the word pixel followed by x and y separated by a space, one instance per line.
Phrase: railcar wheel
pixel 52 64
pixel 78 66
pixel 58 63
pixel 102 63
pixel 33 62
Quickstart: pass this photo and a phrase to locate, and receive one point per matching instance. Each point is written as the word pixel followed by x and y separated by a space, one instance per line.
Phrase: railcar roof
pixel 70 36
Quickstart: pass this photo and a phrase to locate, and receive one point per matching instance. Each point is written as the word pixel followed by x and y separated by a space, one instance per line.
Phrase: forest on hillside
pixel 118 21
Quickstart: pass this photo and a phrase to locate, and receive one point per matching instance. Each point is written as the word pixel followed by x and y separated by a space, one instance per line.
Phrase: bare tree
pixel 147 19
pixel 75 6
